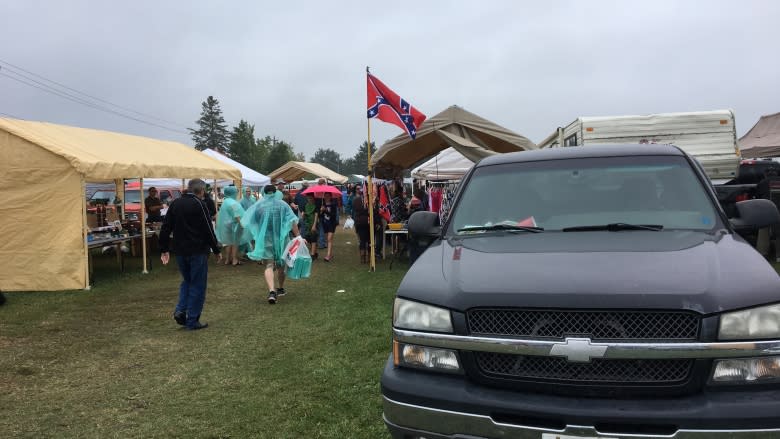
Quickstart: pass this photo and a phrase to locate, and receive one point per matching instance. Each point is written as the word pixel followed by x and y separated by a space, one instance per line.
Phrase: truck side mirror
pixel 756 214
pixel 424 224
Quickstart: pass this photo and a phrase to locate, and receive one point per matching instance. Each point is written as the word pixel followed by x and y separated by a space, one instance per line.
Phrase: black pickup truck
pixel 745 185
pixel 596 292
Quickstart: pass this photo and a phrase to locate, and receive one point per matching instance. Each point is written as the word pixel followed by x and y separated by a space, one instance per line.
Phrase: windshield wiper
pixel 502 227
pixel 614 227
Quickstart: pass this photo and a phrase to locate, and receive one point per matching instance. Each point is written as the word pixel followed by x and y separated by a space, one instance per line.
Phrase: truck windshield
pixel 573 193
pixel 133 196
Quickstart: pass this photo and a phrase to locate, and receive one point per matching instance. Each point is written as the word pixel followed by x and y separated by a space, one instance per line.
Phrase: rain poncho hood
pixel 247 201
pixel 269 222
pixel 231 192
pixel 229 231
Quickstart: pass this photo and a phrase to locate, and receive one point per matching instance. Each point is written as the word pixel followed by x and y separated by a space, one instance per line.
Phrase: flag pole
pixel 370 190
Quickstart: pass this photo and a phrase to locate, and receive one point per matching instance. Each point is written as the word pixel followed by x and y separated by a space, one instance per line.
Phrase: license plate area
pixel 568 436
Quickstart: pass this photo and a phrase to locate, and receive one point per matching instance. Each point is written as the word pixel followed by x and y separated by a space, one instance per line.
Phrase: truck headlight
pixel 424 357
pixel 419 316
pixel 761 322
pixel 746 370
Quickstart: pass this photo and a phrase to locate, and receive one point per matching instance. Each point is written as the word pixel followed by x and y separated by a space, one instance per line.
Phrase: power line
pixel 10 67
pixel 86 103
pixel 10 115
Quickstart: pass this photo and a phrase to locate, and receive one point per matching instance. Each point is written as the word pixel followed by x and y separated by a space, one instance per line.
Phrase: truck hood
pixel 706 273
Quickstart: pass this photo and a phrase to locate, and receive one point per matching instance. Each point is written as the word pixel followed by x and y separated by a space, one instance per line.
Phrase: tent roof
pixel 763 140
pixel 471 135
pixel 103 155
pixel 249 177
pixel 447 165
pixel 292 171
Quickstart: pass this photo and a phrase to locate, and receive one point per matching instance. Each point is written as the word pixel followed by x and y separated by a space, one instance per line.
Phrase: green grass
pixel 111 362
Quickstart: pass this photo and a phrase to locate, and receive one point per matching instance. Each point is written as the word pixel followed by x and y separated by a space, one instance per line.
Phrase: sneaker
pixel 280 292
pixel 197 326
pixel 180 317
pixel 272 297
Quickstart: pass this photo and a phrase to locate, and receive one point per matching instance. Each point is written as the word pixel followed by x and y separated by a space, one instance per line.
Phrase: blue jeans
pixel 192 292
pixel 323 240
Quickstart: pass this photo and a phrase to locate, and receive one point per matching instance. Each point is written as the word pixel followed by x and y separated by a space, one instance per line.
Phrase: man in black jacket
pixel 189 221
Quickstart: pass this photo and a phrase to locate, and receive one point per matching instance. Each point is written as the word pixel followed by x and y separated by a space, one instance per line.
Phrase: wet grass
pixel 111 362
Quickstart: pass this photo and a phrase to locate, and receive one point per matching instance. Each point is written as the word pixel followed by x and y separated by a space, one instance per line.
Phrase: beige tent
pixel 763 140
pixel 469 134
pixel 292 171
pixel 43 170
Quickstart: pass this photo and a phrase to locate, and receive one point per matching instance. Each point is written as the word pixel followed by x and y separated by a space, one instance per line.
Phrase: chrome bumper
pixel 434 423
pixel 589 349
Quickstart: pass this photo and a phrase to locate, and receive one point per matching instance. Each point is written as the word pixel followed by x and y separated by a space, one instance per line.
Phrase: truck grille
pixel 668 326
pixel 598 371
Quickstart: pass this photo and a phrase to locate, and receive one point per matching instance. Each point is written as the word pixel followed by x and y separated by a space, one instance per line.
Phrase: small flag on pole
pixel 387 106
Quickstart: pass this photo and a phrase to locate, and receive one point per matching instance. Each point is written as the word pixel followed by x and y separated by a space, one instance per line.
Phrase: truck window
pixel 556 194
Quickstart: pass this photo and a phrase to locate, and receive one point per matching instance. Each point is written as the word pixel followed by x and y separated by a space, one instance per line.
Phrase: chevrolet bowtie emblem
pixel 578 350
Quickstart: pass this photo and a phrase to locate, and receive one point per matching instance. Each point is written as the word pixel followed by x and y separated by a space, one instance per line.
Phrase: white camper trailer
pixel 710 136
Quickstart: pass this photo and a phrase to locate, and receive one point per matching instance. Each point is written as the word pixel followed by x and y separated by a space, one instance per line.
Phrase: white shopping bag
pixel 349 223
pixel 295 249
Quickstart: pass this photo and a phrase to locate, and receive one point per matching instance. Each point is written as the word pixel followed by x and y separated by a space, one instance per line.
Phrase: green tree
pixel 349 167
pixel 328 158
pixel 361 158
pixel 242 144
pixel 212 130
pixel 262 147
pixel 279 153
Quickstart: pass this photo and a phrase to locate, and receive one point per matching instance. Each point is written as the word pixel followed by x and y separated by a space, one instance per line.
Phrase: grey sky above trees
pixel 297 71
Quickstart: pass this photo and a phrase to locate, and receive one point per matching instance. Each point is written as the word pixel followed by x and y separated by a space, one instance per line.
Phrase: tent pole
pixel 143 226
pixel 119 185
pixel 214 193
pixel 372 266
pixel 84 233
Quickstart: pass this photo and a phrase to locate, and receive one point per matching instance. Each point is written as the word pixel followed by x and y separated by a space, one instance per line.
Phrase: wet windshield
pixel 110 196
pixel 573 193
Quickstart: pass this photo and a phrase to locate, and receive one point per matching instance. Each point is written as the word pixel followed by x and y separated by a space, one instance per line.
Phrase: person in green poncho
pixel 269 222
pixel 248 199
pixel 229 231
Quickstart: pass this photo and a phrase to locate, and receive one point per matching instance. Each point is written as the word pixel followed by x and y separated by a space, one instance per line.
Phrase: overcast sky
pixel 296 70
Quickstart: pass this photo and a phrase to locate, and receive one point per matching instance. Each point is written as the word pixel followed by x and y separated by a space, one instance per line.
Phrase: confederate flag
pixel 388 107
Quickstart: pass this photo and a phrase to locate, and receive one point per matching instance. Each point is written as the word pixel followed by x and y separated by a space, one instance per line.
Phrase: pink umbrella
pixel 321 189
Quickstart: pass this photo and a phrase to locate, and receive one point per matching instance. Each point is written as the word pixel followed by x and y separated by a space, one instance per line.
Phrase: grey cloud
pixel 297 70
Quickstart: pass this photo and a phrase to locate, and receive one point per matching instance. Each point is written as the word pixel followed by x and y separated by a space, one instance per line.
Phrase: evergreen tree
pixel 349 167
pixel 361 158
pixel 328 158
pixel 212 130
pixel 242 144
pixel 260 156
pixel 280 153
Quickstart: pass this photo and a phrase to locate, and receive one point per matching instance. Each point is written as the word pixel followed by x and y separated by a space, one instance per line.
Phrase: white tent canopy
pixel 447 165
pixel 249 177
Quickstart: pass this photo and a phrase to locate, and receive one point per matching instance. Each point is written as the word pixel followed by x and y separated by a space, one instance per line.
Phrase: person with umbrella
pixel 327 213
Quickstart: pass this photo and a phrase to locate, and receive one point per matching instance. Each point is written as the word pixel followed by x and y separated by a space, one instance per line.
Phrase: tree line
pixel 268 153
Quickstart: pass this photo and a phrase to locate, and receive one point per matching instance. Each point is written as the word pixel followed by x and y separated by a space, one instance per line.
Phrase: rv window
pixel 571 140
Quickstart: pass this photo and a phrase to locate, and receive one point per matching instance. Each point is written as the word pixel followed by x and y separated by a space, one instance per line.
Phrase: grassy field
pixel 111 362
